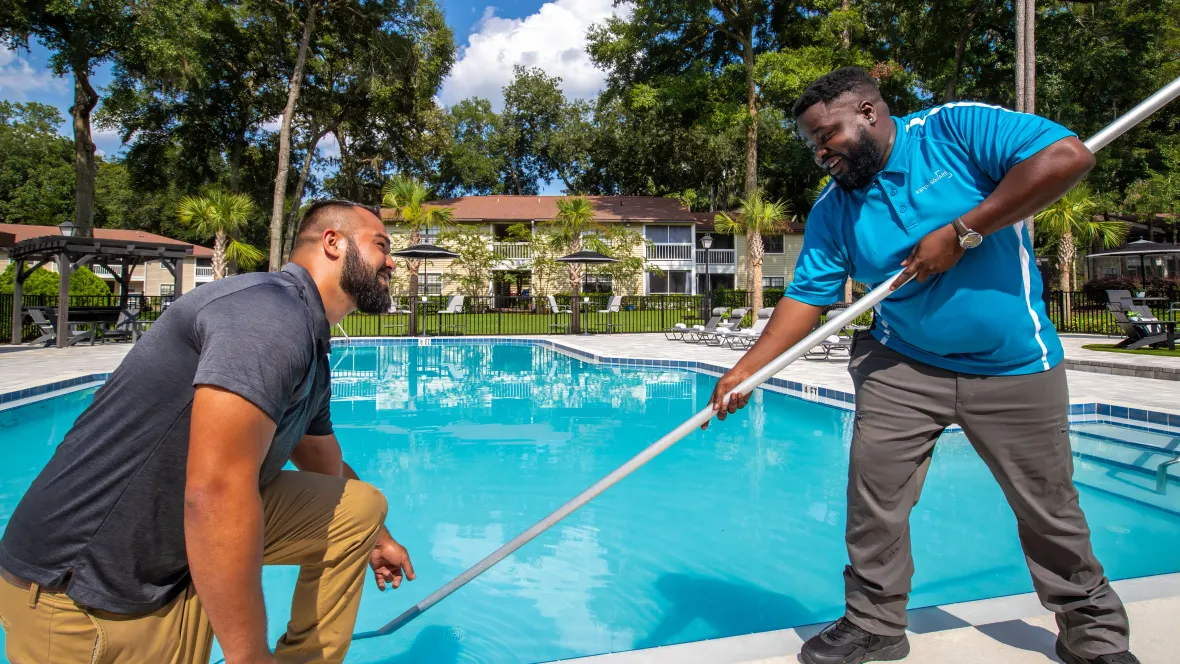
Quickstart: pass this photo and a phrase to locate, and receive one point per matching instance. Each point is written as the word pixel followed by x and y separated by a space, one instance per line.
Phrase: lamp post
pixel 707 244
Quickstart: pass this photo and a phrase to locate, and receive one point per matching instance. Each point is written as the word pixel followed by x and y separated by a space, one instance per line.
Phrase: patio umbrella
pixel 422 252
pixel 584 257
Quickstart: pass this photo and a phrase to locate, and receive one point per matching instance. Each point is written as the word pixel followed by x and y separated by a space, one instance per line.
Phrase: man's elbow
pixel 1079 157
pixel 213 497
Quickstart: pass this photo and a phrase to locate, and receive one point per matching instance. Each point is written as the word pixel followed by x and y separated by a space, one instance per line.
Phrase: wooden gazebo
pixel 70 253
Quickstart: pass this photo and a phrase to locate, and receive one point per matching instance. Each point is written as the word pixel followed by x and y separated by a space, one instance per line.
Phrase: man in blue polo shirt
pixel 940 195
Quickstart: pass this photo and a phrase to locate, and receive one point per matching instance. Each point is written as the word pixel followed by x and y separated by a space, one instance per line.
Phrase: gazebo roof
pixel 46 247
pixel 1138 248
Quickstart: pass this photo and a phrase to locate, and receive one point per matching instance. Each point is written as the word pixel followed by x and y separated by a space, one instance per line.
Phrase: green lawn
pixel 651 320
pixel 1109 348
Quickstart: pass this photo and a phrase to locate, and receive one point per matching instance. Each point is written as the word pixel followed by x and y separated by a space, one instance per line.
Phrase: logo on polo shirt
pixel 940 175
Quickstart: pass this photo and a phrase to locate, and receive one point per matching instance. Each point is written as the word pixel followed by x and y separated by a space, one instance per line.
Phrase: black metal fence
pixel 150 308
pixel 504 315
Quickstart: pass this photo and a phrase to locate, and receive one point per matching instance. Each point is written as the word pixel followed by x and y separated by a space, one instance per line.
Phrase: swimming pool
pixel 735 530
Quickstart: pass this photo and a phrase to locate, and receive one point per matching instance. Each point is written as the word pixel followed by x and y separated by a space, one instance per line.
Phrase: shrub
pixel 44 282
pixel 1153 286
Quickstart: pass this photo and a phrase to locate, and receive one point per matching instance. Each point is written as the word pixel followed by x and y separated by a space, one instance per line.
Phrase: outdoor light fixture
pixel 67 228
pixel 707 244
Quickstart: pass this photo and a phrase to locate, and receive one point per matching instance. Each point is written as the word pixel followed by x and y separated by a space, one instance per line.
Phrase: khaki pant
pixel 326 525
pixel 1019 425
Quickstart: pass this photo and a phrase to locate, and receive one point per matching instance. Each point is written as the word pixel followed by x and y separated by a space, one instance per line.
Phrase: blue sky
pixel 490 39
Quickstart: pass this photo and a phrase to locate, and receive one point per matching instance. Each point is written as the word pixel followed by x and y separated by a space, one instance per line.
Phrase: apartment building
pixel 674 235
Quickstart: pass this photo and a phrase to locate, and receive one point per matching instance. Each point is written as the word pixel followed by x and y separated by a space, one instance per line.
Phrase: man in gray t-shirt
pixel 145 533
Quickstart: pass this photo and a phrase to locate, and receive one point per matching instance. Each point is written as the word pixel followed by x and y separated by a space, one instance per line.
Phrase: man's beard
pixel 863 160
pixel 363 284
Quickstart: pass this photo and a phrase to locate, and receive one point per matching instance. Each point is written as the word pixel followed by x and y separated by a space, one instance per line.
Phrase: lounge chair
pixel 613 306
pixel 677 331
pixel 128 328
pixel 45 318
pixel 558 311
pixel 837 344
pixel 701 333
pixel 1141 327
pixel 454 316
pixel 743 339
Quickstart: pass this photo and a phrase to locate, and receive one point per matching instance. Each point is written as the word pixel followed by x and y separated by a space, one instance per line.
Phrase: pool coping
pixel 1162 421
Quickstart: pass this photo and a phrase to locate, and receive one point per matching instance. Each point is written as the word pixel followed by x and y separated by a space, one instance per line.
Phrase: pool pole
pixel 834 325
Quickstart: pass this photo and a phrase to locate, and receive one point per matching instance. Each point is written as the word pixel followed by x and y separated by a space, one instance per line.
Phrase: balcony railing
pixel 669 252
pixel 717 256
pixel 204 272
pixel 512 250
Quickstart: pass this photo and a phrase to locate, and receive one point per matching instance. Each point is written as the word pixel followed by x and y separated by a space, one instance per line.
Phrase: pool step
pixel 1124 462
pixel 1124 435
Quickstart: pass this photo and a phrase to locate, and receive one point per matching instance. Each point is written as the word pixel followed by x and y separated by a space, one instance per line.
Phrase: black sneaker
pixel 844 643
pixel 1068 657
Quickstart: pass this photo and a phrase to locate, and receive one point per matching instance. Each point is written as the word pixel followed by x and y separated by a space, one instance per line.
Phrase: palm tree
pixel 408 197
pixel 1071 222
pixel 575 217
pixel 756 217
pixel 222 215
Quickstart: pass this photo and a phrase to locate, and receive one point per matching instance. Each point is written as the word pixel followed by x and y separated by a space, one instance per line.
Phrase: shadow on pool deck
pixel 728 608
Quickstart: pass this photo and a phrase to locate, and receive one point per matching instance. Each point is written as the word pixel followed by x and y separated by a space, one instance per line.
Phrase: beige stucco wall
pixel 773 265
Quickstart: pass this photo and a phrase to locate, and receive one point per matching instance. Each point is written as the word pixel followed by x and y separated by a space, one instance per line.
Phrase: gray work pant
pixel 1019 426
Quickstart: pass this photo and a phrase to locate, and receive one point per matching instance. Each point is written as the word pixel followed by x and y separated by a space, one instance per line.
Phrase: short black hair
pixel 323 212
pixel 830 86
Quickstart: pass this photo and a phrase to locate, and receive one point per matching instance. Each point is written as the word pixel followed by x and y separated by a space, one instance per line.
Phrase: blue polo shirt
pixel 984 316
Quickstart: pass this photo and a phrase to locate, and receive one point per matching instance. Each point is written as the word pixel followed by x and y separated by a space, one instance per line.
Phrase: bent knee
pixel 365 504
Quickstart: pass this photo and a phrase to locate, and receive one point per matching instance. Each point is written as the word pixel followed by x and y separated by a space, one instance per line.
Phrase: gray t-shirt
pixel 105 518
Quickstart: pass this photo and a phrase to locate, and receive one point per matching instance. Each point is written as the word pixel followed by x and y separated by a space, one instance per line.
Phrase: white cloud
pixel 328 147
pixel 553 39
pixel 18 78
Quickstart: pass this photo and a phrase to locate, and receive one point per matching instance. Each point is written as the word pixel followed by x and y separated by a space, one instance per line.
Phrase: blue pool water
pixel 735 530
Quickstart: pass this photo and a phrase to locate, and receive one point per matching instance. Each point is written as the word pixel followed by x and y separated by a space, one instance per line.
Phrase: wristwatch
pixel 968 239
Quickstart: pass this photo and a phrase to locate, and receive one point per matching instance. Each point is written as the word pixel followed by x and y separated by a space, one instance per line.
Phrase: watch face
pixel 970 240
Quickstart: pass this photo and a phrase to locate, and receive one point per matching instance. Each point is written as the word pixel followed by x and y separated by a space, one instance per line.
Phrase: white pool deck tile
pixel 1011 629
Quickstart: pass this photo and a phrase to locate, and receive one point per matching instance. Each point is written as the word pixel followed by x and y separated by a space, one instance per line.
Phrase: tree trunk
pixel 752 126
pixel 575 274
pixel 413 266
pixel 847 290
pixel 219 241
pixel 1026 70
pixel 85 99
pixel 846 38
pixel 276 212
pixel 292 222
pixel 1065 255
pixel 235 161
pixel 960 49
pixel 754 253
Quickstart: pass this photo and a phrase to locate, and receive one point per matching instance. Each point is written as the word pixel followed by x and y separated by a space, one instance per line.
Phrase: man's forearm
pixel 1031 185
pixel 223 528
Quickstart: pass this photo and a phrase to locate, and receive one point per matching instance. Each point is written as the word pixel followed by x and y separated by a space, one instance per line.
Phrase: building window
pixel 774 282
pixel 772 244
pixel 433 285
pixel 662 234
pixel 597 283
pixel 672 281
pixel 167 289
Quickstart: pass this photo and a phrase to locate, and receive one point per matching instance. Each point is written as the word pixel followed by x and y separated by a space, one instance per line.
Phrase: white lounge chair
pixel 613 306
pixel 677 331
pixel 743 339
pixel 558 311
pixel 454 316
pixel 729 325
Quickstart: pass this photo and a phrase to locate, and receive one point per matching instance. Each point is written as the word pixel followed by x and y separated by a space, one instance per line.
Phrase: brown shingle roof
pixel 22 232
pixel 530 208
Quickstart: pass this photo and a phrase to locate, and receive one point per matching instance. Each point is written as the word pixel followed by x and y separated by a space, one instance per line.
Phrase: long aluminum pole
pixel 835 324
pixel 1134 116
